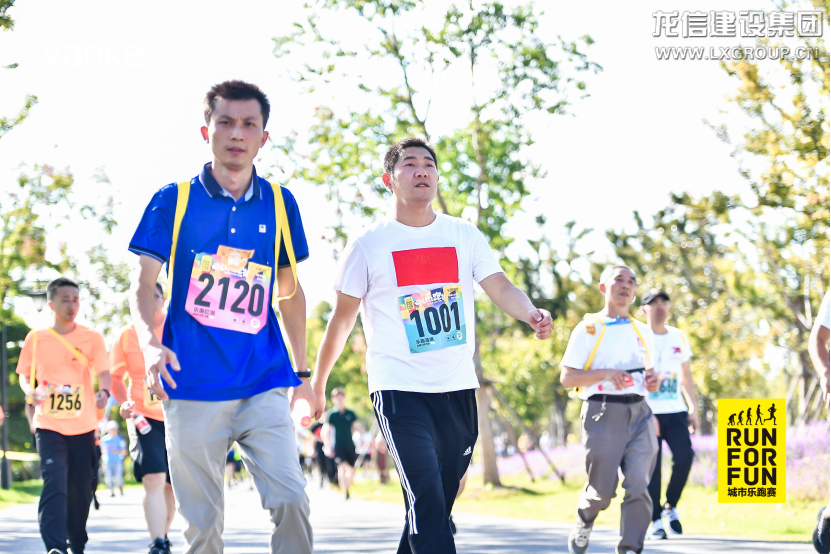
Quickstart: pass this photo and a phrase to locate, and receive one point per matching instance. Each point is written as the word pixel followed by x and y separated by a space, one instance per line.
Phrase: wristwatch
pixel 306 373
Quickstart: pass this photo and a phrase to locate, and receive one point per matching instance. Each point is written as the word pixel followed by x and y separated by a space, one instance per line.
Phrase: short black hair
pixel 160 288
pixel 395 151
pixel 55 284
pixel 236 90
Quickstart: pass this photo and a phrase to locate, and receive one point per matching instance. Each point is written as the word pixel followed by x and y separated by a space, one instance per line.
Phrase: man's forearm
pixel 105 380
pixel 819 351
pixel 293 313
pixel 334 339
pixel 507 296
pixel 688 386
pixel 516 304
pixel 143 301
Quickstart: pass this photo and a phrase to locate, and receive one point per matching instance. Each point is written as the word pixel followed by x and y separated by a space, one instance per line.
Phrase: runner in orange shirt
pixel 56 367
pixel 148 449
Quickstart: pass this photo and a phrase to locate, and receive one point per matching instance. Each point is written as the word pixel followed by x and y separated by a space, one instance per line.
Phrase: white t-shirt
pixel 416 284
pixel 824 313
pixel 621 348
pixel 671 350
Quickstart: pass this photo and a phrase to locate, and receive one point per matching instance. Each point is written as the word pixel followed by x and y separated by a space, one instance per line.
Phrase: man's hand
pixel 824 383
pixel 618 377
pixel 126 410
pixel 651 382
pixel 657 426
pixel 540 321
pixel 319 407
pixel 156 360
pixel 304 391
pixel 101 399
pixel 693 423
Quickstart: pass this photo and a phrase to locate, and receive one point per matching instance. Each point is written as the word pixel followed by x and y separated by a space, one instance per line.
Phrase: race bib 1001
pixel 434 319
pixel 64 401
pixel 228 291
pixel 669 388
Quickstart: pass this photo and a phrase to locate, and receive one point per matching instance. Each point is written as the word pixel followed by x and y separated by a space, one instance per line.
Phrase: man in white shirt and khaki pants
pixel 610 356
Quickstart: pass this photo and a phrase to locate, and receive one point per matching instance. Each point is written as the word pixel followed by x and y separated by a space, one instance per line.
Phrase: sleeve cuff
pixel 147 252
pixel 288 264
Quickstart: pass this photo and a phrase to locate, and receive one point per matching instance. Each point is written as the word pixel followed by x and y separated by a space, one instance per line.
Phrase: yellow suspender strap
pixel 632 321
pixel 282 220
pixel 282 230
pixel 69 347
pixel 33 370
pixel 596 345
pixel 181 207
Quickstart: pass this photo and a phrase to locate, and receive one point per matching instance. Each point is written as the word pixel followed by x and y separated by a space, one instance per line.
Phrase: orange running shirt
pixel 68 411
pixel 127 359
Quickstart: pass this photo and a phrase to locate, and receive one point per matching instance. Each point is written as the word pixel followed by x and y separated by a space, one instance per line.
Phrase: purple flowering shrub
pixel 807 464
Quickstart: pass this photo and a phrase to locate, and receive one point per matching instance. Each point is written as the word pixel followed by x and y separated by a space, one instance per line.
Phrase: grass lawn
pixel 23 492
pixel 550 501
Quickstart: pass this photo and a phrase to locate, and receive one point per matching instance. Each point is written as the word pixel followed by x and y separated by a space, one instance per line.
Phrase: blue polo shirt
pixel 219 364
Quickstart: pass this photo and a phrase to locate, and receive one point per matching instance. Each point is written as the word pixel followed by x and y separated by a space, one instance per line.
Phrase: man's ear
pixel 205 134
pixel 602 288
pixel 265 138
pixel 387 181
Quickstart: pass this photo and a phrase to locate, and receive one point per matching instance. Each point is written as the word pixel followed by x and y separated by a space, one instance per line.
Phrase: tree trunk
pixel 490 473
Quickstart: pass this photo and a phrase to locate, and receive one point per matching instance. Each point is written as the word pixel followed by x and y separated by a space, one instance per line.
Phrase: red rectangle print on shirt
pixel 425 266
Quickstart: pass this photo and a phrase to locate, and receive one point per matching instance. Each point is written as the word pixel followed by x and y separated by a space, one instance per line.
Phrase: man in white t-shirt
pixel 818 348
pixel 675 417
pixel 412 276
pixel 610 355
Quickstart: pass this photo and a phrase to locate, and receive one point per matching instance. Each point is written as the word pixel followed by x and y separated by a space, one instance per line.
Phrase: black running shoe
pixel 167 543
pixel 159 546
pixel 821 533
pixel 452 525
pixel 671 513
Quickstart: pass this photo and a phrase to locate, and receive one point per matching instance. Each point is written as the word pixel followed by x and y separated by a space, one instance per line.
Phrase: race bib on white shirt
pixel 416 286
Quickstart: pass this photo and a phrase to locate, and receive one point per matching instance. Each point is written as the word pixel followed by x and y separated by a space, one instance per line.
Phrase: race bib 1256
pixel 64 401
pixel 434 319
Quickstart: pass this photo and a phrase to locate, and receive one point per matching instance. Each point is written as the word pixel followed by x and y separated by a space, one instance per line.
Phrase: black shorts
pixel 149 452
pixel 345 454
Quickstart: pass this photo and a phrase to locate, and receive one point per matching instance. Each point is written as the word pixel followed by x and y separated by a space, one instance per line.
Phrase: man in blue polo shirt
pixel 221 338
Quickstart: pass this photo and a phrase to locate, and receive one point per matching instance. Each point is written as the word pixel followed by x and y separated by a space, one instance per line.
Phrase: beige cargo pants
pixel 623 437
pixel 199 436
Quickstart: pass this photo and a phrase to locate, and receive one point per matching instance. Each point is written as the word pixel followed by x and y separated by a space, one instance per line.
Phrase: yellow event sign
pixel 751 450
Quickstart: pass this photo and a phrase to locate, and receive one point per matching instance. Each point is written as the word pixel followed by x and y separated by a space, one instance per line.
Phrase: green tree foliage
pixel 682 253
pixel 511 73
pixel 42 204
pixel 8 123
pixel 784 157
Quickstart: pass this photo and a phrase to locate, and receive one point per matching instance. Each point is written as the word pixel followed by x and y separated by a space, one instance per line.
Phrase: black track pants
pixel 430 437
pixel 674 431
pixel 67 464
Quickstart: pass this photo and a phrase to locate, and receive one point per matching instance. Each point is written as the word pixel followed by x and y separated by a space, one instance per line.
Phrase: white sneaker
pixel 658 531
pixel 578 541
pixel 671 514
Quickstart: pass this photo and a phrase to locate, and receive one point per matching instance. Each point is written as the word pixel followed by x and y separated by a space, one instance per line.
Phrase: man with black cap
pixel 675 419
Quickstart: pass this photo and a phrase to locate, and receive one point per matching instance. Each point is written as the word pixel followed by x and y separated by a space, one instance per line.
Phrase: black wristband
pixel 105 390
pixel 306 373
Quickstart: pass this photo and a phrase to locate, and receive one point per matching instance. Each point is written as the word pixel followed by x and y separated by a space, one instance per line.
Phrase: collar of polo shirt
pixel 213 188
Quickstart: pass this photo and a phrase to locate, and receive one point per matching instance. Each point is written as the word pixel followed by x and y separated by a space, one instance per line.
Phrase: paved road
pixel 347 528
